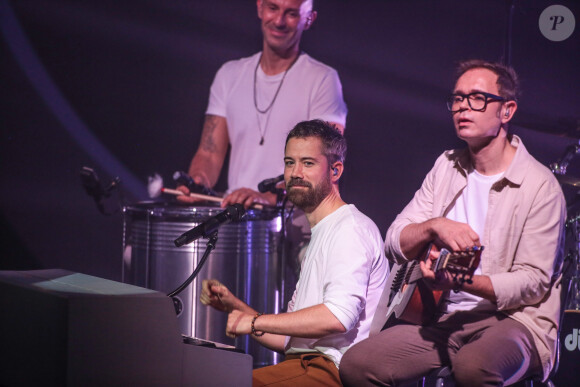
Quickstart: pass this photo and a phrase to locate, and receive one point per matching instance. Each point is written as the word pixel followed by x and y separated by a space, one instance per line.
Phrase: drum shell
pixel 247 259
pixel 566 375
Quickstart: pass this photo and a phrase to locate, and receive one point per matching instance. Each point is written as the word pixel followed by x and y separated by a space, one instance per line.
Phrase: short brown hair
pixel 507 79
pixel 333 142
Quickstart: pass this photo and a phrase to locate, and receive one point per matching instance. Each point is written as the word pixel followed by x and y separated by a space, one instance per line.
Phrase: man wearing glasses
pixel 501 327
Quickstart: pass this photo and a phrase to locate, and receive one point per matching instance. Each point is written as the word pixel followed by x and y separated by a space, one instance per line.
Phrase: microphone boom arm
pixel 209 247
pixel 559 167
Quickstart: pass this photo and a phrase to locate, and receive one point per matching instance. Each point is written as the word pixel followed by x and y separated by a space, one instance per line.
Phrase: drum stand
pixel 572 291
pixel 572 297
pixel 568 349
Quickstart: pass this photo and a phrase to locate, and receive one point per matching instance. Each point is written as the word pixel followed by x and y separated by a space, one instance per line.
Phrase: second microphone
pixel 233 213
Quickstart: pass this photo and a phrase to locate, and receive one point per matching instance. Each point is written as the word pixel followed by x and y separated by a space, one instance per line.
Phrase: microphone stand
pixel 559 167
pixel 209 247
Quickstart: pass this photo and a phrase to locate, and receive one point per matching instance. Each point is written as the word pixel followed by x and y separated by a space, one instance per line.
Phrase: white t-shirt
pixel 471 208
pixel 345 269
pixel 311 90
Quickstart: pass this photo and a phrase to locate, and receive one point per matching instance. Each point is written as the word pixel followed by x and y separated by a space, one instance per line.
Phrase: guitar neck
pixel 459 262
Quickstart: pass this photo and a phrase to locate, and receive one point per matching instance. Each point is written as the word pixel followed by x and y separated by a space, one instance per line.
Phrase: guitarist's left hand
pixel 441 280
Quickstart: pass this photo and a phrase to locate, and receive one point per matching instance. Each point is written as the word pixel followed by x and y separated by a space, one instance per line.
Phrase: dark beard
pixel 310 198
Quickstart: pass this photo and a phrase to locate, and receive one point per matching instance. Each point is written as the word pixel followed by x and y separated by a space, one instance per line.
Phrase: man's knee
pixel 357 368
pixel 270 375
pixel 348 366
pixel 470 373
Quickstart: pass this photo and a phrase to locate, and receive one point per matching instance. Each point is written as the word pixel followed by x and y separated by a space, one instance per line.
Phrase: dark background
pixel 122 86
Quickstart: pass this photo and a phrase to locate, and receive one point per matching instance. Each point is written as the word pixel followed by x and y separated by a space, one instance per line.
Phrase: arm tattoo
pixel 207 141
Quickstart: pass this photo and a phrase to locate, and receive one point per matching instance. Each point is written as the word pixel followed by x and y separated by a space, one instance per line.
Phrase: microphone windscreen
pixel 236 212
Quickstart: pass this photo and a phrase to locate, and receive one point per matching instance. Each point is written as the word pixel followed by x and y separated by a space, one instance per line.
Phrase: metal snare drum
pixel 246 259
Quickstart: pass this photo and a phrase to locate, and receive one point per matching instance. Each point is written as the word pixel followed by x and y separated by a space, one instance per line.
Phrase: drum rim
pixel 175 210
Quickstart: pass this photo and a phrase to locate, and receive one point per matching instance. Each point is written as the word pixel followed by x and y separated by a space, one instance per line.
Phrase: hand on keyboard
pixel 217 295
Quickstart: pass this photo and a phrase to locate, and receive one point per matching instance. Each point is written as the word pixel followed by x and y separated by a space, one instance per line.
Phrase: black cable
pixel 210 246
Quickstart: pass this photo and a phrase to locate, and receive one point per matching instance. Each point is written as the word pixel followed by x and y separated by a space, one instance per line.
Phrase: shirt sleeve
pixel 218 92
pixel 419 209
pixel 328 103
pixel 346 279
pixel 537 259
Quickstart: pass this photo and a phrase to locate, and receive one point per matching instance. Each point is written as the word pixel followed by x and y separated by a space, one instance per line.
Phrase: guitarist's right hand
pixel 455 236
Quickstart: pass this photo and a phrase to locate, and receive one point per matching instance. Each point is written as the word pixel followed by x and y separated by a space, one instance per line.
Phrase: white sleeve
pixel 218 92
pixel 346 279
pixel 328 103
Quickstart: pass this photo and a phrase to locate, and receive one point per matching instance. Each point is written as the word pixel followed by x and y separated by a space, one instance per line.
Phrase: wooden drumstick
pixel 203 197
pixel 193 195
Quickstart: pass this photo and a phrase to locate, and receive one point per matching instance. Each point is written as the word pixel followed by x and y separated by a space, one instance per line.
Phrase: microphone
pixel 183 178
pixel 232 213
pixel 92 184
pixel 269 185
pixel 93 188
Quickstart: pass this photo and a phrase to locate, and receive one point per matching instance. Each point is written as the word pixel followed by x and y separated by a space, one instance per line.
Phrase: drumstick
pixel 204 197
pixel 193 195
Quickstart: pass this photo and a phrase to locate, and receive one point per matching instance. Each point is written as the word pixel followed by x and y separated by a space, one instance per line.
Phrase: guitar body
pixel 407 297
pixel 411 300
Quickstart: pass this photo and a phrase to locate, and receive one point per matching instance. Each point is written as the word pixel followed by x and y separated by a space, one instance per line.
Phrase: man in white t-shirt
pixel 501 326
pixel 254 100
pixel 342 274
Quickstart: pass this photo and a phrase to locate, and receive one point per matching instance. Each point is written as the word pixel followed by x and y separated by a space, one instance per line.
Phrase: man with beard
pixel 342 274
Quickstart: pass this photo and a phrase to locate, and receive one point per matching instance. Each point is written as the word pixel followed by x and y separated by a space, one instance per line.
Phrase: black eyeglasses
pixel 477 101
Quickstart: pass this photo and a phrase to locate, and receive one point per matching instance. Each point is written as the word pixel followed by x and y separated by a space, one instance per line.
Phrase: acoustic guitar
pixel 407 297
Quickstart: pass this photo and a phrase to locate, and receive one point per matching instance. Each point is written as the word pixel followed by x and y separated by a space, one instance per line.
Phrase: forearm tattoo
pixel 207 141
